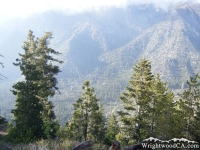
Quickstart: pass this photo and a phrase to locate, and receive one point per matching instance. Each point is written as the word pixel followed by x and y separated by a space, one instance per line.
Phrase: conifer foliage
pixel 165 118
pixel 88 119
pixel 33 116
pixel 112 129
pixel 149 108
pixel 190 106
pixel 136 100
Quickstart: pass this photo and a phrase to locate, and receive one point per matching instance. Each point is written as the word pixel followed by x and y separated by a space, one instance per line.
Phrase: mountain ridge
pixel 103 46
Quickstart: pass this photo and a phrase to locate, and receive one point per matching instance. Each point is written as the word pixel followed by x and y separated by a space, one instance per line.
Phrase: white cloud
pixel 23 8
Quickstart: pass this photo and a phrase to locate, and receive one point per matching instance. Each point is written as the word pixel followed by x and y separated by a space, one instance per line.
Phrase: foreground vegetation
pixel 47 145
pixel 149 108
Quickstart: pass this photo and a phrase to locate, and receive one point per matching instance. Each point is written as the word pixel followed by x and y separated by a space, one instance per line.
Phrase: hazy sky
pixel 23 8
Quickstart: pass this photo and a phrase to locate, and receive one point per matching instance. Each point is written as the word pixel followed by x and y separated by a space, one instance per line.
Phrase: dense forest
pixel 148 108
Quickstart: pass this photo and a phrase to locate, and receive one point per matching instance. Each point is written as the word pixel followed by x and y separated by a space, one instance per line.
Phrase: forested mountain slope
pixel 102 46
pixel 172 46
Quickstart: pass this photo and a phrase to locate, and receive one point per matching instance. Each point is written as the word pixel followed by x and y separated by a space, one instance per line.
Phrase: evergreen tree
pixel 195 131
pixel 47 83
pixel 33 113
pixel 27 120
pixel 88 120
pixel 137 99
pixel 189 104
pixel 149 108
pixel 96 127
pixel 112 129
pixel 166 119
pixel 74 128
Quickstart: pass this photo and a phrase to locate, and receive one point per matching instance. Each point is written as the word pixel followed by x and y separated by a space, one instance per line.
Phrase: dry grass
pixel 48 145
pixel 40 145
pixel 100 147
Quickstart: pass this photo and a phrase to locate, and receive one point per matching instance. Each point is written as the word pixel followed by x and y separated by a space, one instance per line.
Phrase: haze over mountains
pixel 103 45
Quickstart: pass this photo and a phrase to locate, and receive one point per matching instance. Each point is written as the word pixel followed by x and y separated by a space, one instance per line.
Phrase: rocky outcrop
pixel 115 145
pixel 134 147
pixel 85 145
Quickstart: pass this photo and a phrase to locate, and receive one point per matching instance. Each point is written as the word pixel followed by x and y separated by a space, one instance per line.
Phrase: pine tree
pixel 166 119
pixel 149 108
pixel 189 104
pixel 33 110
pixel 88 120
pixel 74 128
pixel 47 83
pixel 96 128
pixel 195 131
pixel 137 99
pixel 112 129
pixel 27 111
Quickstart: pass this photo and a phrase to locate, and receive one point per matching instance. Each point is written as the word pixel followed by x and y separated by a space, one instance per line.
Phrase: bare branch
pixel 2 67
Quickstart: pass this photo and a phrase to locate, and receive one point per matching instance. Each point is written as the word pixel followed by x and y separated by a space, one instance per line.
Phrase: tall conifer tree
pixel 189 104
pixel 149 108
pixel 45 64
pixel 112 129
pixel 165 118
pixel 33 110
pixel 88 119
pixel 137 99
pixel 195 130
pixel 27 112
